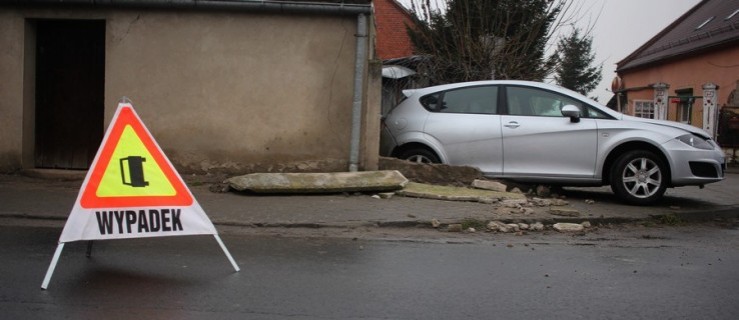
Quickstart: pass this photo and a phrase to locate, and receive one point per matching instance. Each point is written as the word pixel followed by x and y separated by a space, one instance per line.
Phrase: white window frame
pixel 684 112
pixel 642 114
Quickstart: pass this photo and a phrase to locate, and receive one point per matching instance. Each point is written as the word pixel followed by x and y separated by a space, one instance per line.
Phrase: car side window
pixel 473 100
pixel 430 102
pixel 536 102
pixel 595 113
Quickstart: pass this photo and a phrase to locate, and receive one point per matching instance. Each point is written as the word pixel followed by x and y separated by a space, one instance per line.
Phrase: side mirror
pixel 571 111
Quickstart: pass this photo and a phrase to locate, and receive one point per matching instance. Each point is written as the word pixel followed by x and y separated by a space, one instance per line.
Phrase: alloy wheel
pixel 419 159
pixel 642 177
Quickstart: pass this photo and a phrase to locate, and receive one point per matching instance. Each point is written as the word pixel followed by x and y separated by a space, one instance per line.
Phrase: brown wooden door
pixel 70 75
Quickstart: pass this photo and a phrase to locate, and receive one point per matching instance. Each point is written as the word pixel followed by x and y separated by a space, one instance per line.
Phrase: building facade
pixel 687 71
pixel 223 86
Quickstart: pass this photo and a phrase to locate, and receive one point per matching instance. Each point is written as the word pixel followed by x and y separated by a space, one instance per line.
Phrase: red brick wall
pixel 392 37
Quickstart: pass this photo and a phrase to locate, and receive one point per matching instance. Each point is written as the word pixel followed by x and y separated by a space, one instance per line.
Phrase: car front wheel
pixel 419 155
pixel 639 177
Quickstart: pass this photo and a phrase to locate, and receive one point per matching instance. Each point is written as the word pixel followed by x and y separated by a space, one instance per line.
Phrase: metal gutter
pixel 231 5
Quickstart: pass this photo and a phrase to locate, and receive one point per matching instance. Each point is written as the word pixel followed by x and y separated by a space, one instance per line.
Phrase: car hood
pixel 671 124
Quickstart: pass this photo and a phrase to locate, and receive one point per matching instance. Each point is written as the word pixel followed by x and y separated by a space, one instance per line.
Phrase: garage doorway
pixel 70 82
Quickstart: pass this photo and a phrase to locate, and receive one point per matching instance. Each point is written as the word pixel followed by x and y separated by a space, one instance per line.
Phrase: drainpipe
pixel 361 56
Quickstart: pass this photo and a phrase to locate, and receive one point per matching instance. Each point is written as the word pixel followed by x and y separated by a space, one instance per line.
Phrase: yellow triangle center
pixel 132 171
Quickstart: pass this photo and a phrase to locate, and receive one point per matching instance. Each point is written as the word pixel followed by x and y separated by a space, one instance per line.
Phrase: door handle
pixel 512 125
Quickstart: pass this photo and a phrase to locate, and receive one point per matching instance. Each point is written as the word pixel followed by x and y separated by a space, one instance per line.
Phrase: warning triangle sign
pixel 132 190
pixel 131 169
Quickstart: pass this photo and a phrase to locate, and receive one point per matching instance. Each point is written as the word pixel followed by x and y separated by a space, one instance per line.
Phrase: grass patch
pixel 670 219
pixel 473 223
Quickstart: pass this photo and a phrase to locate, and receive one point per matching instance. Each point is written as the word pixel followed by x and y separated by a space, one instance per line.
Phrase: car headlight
pixel 695 142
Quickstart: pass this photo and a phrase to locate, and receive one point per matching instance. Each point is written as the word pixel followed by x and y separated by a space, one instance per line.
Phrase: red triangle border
pixel 89 199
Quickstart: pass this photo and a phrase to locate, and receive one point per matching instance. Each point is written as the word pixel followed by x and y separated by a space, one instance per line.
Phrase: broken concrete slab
pixel 432 173
pixel 489 185
pixel 331 182
pixel 420 190
pixel 564 212
pixel 568 227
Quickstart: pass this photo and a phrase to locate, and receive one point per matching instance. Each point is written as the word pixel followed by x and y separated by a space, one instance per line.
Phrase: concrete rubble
pixel 571 227
pixel 489 185
pixel 332 182
pixel 462 201
pixel 428 191
pixel 564 212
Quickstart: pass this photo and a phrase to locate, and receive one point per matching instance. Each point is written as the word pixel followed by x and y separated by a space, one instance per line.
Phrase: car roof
pixel 443 87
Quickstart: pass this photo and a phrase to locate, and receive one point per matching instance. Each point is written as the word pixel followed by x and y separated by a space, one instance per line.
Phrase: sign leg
pixel 228 255
pixel 52 266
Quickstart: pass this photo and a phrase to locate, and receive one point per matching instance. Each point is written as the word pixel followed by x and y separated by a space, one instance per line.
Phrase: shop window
pixel 644 109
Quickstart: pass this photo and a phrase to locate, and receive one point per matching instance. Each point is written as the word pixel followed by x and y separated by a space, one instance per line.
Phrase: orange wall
pixel 720 68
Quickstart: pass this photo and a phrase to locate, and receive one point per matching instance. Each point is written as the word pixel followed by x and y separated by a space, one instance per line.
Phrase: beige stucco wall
pixel 11 90
pixel 718 67
pixel 234 92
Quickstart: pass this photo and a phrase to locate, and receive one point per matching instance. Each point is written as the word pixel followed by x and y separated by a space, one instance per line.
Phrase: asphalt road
pixel 633 273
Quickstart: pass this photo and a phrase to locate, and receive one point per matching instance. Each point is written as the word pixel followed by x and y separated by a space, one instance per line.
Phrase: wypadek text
pixel 141 221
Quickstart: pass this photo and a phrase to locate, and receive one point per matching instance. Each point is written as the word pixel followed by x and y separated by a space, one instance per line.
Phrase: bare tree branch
pixel 469 40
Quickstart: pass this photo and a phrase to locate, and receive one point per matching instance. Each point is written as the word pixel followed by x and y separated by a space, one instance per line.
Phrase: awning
pixel 396 72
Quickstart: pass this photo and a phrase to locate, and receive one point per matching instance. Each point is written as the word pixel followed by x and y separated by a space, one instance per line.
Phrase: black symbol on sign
pixel 135 171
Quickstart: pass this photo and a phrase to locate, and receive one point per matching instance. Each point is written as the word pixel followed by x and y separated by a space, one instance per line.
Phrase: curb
pixel 707 215
pixel 730 212
pixel 55 174
pixel 721 213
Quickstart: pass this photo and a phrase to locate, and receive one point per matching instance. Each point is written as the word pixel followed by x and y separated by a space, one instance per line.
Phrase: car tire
pixel 639 177
pixel 419 155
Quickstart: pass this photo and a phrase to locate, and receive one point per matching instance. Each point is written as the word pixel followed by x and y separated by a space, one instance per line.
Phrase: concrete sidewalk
pixel 37 198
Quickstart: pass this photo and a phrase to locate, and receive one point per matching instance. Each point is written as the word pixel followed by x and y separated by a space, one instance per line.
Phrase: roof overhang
pixel 317 7
pixel 396 72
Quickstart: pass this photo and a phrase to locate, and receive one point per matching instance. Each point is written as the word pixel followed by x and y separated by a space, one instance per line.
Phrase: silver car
pixel 536 132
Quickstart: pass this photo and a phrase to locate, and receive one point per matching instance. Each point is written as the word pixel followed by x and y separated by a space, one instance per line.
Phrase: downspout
pixel 361 56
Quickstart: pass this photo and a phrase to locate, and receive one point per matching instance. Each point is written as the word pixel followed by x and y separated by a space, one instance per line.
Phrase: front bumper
pixel 691 166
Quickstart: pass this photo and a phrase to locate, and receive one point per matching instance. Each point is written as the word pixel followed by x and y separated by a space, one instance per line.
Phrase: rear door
pixel 539 142
pixel 466 123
